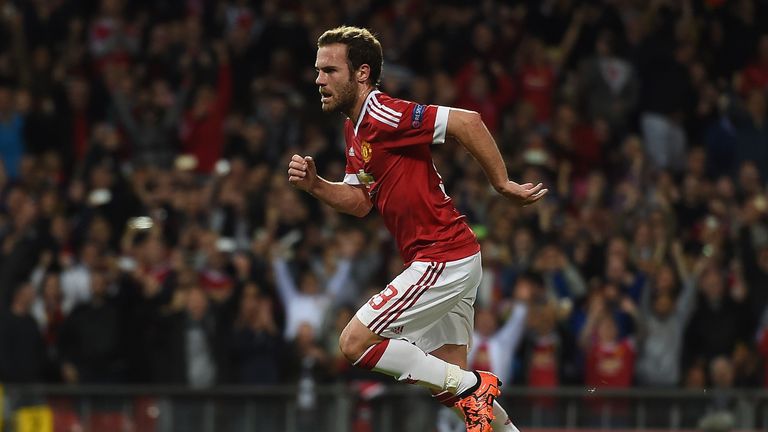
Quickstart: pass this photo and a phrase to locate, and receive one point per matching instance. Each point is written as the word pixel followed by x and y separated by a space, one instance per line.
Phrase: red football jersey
pixel 611 365
pixel 388 151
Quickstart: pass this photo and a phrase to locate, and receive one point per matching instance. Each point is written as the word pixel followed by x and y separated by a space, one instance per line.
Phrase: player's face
pixel 334 78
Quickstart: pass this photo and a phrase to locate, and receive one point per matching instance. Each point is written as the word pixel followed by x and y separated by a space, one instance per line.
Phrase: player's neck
pixel 362 95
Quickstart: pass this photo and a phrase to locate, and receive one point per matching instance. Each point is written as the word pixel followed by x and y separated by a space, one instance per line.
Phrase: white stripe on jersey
pixel 382 114
pixel 386 109
pixel 378 117
pixel 364 109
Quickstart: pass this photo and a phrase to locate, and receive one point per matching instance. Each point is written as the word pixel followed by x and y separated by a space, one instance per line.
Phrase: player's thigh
pixel 452 353
pixel 454 329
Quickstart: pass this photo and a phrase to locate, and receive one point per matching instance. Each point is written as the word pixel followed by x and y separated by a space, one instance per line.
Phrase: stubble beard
pixel 345 99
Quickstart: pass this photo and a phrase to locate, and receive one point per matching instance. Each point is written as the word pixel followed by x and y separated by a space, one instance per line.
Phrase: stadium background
pixel 155 263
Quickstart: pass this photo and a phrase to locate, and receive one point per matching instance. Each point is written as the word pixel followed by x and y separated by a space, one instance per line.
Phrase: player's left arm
pixel 468 129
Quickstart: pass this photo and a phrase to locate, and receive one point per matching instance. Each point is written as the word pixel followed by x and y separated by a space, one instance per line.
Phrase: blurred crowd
pixel 148 233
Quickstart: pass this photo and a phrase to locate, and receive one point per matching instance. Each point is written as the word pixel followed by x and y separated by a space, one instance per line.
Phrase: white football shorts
pixel 429 304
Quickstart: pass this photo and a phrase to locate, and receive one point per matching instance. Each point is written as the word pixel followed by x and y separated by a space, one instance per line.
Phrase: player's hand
pixel 302 172
pixel 523 194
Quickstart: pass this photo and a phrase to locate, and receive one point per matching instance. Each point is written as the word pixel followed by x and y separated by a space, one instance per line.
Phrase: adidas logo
pixel 397 330
pixel 351 152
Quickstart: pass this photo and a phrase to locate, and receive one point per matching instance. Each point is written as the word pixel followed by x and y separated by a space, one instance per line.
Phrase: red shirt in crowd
pixel 203 136
pixel 490 105
pixel 537 87
pixel 611 364
pixel 543 366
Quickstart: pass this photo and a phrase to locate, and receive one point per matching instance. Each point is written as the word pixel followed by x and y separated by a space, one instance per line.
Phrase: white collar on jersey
pixel 364 108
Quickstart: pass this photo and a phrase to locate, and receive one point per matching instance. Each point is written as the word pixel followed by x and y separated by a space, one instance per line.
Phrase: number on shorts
pixel 379 300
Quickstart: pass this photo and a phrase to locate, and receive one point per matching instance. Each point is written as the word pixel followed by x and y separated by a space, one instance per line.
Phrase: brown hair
pixel 362 48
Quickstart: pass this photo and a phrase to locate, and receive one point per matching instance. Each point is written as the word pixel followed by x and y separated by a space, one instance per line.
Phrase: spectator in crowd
pixel 192 342
pixel 719 321
pixel 49 315
pixel 609 83
pixel 610 358
pixel 23 358
pixel 662 326
pixel 257 343
pixel 310 302
pixel 202 127
pixel 76 280
pixel 89 341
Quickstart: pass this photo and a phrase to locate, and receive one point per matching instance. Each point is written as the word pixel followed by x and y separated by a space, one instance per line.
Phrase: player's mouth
pixel 325 96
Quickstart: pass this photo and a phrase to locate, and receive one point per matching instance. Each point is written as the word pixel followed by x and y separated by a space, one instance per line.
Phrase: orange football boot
pixel 478 405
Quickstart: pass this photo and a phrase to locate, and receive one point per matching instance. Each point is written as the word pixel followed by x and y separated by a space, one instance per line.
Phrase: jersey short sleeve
pixel 393 123
pixel 354 159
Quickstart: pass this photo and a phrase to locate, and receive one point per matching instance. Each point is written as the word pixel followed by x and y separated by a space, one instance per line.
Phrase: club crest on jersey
pixel 417 116
pixel 366 150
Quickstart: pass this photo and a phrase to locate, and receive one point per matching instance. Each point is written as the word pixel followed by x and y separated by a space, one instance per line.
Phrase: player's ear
pixel 363 73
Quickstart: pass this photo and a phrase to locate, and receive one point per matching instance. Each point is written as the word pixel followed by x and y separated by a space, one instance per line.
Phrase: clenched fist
pixel 302 172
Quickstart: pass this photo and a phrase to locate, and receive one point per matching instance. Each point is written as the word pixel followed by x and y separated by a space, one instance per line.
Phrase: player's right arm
pixel 343 197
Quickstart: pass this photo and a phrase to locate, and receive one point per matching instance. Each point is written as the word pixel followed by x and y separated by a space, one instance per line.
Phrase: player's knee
pixel 353 344
pixel 350 346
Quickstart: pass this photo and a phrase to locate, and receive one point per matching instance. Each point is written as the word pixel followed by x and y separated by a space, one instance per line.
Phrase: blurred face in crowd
pixel 89 254
pixel 152 251
pixel 249 302
pixel 309 283
pixel 482 38
pixel 611 292
pixel 663 305
pixel 616 269
pixel 642 236
pixel 604 44
pixel 98 285
pixel 22 300
pixel 749 178
pixel 203 100
pixel 606 330
pixel 78 93
pixel 618 247
pixel 712 284
pixel 51 290
pixel 26 214
pixel 665 279
pixel 197 304
pixel 305 335
pixel 721 372
pixel 695 377
pixel 542 319
pixel 338 89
